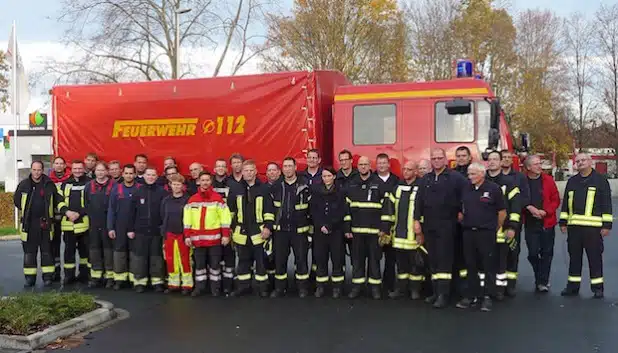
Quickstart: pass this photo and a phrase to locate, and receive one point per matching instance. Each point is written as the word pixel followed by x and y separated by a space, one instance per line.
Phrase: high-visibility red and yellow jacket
pixel 206 218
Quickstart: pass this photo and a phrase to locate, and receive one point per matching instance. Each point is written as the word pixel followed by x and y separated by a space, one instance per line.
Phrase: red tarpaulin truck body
pixel 264 117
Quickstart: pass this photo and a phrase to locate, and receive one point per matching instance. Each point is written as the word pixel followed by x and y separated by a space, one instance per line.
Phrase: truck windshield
pixel 483 113
pixel 453 128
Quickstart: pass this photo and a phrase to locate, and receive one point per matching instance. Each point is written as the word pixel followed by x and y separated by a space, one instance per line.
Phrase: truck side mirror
pixel 495 114
pixel 494 139
pixel 525 141
pixel 458 107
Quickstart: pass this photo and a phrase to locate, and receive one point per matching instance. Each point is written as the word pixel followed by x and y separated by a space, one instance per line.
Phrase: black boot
pixel 303 289
pixel 30 282
pixel 355 292
pixel 570 291
pixel 263 288
pixel 441 302
pixel 140 288
pixel 109 284
pixel 319 291
pixel 215 288
pixel 376 292
pixel 401 289
pixel 336 292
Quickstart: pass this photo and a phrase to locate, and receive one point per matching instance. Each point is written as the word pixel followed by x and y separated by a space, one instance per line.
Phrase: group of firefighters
pixel 442 232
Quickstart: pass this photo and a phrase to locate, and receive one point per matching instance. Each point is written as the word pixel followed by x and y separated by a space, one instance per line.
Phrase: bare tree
pixel 430 33
pixel 607 37
pixel 140 39
pixel 579 48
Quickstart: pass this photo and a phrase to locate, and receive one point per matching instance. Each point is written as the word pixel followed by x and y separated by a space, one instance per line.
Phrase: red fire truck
pixel 267 117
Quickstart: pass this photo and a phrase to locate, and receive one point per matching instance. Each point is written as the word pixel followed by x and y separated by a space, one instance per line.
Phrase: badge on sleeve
pixel 142 201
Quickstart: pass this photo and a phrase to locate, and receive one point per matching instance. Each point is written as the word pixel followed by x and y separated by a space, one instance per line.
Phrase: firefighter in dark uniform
pixel 587 217
pixel 75 224
pixel 221 185
pixel 291 200
pixel 58 175
pixel 273 177
pixel 252 224
pixel 192 183
pixel 327 208
pixel 484 212
pixel 118 224
pixel 438 206
pixel 364 225
pixel 463 158
pixel 313 175
pixel 346 172
pixel 521 181
pixel 400 204
pixel 390 180
pixel 37 198
pixel 504 244
pixel 100 250
pixel 144 227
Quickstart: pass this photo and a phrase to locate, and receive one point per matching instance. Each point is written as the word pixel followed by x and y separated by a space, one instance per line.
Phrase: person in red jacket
pixel 540 221
pixel 207 220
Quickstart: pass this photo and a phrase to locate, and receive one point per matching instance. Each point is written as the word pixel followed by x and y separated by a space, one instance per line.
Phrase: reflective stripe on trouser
pixel 37 239
pixel 208 266
pixel 300 245
pixel 325 247
pixel 100 254
pixel 73 242
pixel 479 250
pixel 122 248
pixel 248 255
pixel 439 244
pixel 409 272
pixel 512 262
pixel 178 261
pixel 229 263
pixel 502 252
pixel 588 239
pixel 147 260
pixel 56 242
pixel 365 248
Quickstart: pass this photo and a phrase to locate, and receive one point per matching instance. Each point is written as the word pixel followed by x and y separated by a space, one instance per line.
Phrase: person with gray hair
pixel 539 220
pixel 483 214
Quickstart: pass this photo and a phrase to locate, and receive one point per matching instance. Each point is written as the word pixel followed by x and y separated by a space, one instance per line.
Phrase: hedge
pixel 7 210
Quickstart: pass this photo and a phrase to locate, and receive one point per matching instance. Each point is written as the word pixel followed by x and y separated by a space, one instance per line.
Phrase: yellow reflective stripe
pixel 140 282
pixel 302 206
pixel 261 278
pixel 123 276
pixel 586 218
pixel 585 223
pixel 570 201
pixel 239 217
pixel 337 279
pixel 347 218
pixel 305 229
pixel 515 217
pixel 30 271
pixel 245 277
pixel 596 280
pixel 374 281
pixel 109 275
pixel 302 277
pixel 281 277
pixel 391 198
pixel 417 277
pixel 463 273
pixel 513 192
pixel 387 218
pixel 269 216
pixel 590 200
pixel 606 217
pixel 347 199
pixel 574 279
pixel 69 266
pixel 48 269
pixel 360 204
pixel 564 216
pixel 83 261
pixel 96 274
pixel 365 230
pixel 277 203
pixel 321 279
pixel 259 207
pixel 511 275
pixel 358 280
pixel 437 276
pixel 403 276
pixel 257 239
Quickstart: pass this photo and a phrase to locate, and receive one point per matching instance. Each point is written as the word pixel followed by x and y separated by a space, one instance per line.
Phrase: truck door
pixel 417 128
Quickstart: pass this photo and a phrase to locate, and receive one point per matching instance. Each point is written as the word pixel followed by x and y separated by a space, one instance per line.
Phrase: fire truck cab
pixel 407 120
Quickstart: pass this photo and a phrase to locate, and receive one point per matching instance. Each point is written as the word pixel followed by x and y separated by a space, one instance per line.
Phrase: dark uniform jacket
pixel 312 179
pixel 291 203
pixel 28 193
pixel 120 207
pixel 97 203
pixel 145 214
pixel 328 207
pixel 440 198
pixel 172 210
pixel 391 182
pixel 400 204
pixel 73 192
pixel 587 202
pixel 252 210
pixel 365 199
pixel 512 199
pixel 521 180
pixel 342 180
pixel 481 206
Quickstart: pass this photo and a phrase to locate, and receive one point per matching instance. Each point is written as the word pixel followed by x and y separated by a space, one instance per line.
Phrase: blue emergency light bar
pixel 464 68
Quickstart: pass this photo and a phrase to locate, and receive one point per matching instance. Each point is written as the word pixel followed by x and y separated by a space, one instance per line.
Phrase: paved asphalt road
pixel 527 324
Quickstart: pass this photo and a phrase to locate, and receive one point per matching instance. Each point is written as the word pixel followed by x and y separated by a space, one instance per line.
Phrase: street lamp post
pixel 178 12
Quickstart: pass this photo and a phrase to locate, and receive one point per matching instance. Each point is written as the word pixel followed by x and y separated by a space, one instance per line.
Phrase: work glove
pixel 384 239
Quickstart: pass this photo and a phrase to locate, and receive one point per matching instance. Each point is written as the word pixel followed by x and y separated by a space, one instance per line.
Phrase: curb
pixel 40 339
pixel 10 237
